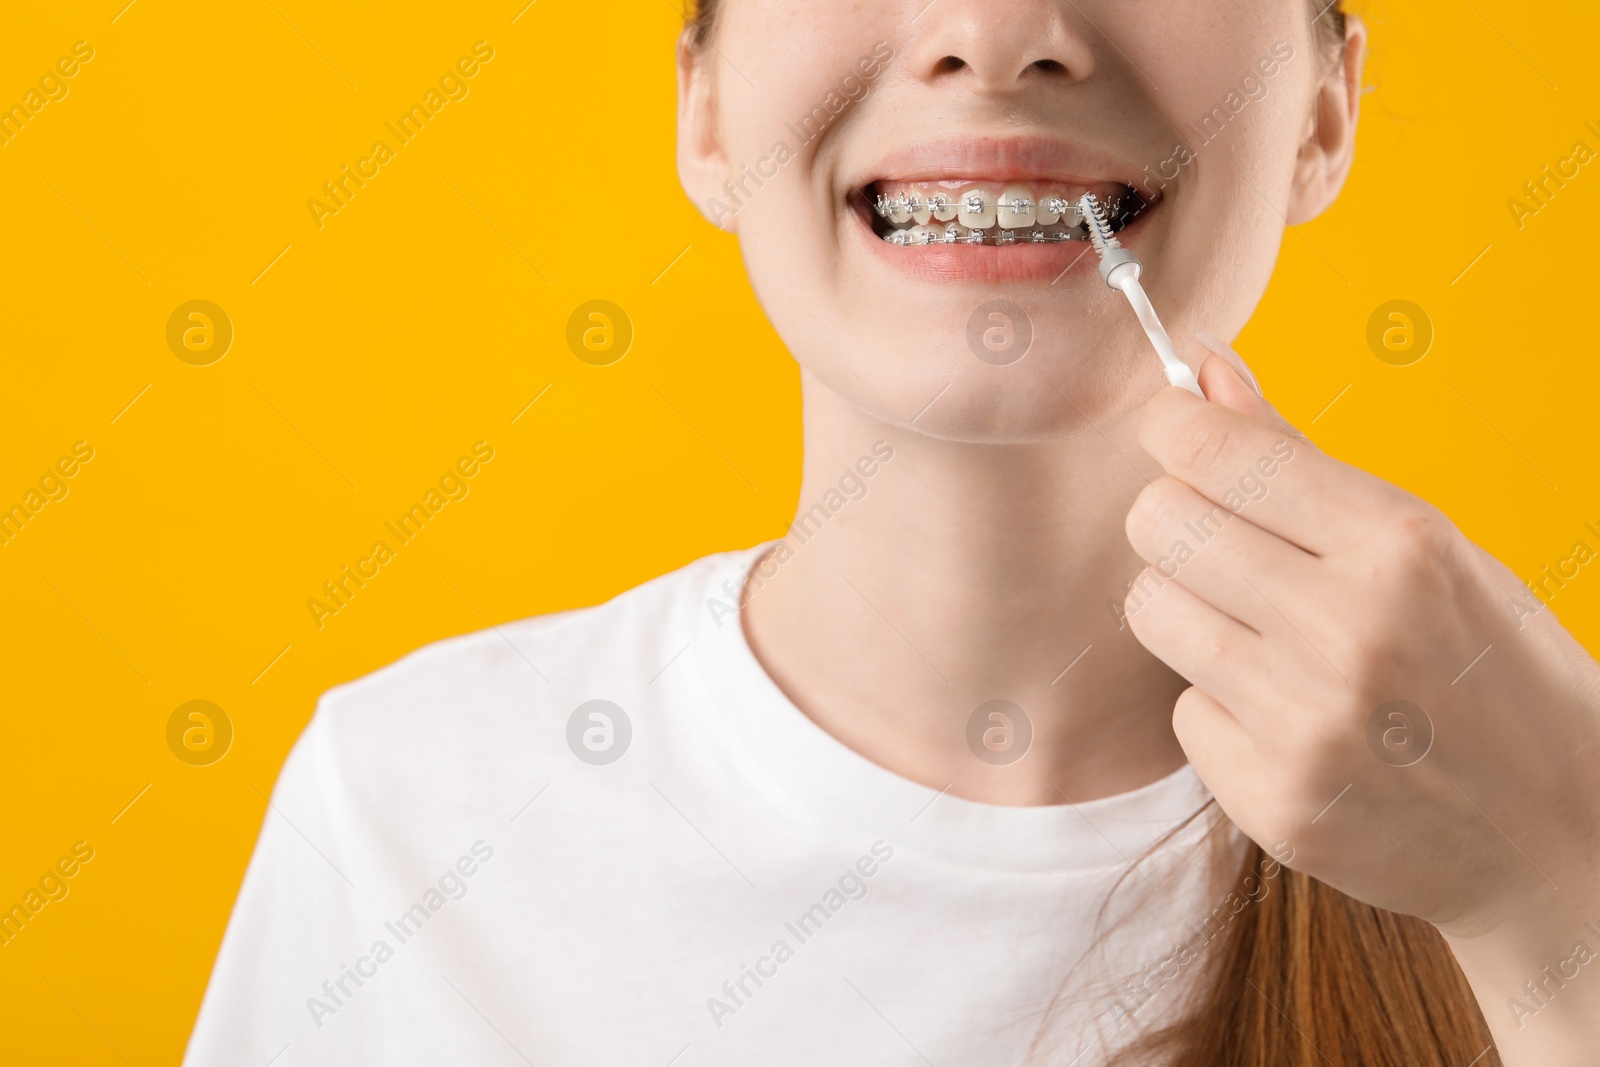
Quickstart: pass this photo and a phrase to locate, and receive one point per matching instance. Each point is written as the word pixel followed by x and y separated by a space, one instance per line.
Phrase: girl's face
pixel 1207 124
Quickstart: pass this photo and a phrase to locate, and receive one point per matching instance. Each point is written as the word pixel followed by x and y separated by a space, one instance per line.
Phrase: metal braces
pixel 970 204
pixel 951 236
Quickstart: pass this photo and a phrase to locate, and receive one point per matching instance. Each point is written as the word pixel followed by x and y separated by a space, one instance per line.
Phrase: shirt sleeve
pixel 295 912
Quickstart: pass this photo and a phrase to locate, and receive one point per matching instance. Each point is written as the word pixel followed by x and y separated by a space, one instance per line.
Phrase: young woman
pixel 1077 720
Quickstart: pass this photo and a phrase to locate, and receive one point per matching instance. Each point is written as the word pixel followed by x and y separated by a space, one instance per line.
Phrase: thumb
pixel 1223 384
pixel 1226 379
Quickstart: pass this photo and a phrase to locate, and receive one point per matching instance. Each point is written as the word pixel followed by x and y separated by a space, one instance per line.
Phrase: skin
pixel 995 547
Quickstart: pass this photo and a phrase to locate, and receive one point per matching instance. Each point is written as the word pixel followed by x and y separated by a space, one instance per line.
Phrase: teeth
pixel 978 209
pixel 1015 213
pixel 1015 208
pixel 953 233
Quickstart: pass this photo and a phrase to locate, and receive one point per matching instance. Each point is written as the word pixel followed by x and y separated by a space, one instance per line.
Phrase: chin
pixel 937 388
pixel 968 359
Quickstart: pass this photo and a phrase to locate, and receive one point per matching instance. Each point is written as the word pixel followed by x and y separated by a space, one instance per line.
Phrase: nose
pixel 998 49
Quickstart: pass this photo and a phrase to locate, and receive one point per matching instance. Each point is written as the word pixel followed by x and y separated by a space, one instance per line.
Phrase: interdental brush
pixel 1121 269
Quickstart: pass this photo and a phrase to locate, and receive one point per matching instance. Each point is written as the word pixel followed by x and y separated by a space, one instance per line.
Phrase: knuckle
pixel 1419 539
pixel 1202 442
pixel 1152 509
pixel 1214 646
pixel 1431 528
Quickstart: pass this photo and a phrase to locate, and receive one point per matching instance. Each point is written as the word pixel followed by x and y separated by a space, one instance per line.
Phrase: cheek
pixel 777 70
pixel 1228 216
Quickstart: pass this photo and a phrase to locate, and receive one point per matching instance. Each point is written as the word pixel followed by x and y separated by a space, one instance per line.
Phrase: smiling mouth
pixel 960 212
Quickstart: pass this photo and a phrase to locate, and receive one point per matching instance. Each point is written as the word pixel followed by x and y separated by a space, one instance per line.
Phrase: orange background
pixel 430 311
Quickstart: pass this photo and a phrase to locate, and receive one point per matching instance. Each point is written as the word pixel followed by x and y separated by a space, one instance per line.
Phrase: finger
pixel 1223 558
pixel 1211 649
pixel 1222 452
pixel 1239 390
pixel 1210 342
pixel 1221 749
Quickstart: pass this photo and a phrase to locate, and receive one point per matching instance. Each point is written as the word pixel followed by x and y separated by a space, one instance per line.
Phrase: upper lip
pixel 980 158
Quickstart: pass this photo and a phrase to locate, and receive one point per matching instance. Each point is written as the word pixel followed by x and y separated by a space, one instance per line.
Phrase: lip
pixel 1022 262
pixel 1035 159
pixel 1018 158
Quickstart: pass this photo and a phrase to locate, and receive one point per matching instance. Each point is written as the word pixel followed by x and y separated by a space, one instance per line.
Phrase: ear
pixel 702 163
pixel 1330 141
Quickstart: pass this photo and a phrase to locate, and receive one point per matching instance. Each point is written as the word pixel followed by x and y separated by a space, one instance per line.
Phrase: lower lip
pixel 1025 261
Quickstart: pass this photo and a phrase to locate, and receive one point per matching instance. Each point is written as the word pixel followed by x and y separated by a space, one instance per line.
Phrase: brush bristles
pixel 1094 217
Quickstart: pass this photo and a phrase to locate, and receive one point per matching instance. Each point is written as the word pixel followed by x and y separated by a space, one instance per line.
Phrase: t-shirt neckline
pixel 842 786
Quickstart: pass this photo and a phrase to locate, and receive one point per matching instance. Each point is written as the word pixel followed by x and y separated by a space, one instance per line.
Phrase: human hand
pixel 1368 685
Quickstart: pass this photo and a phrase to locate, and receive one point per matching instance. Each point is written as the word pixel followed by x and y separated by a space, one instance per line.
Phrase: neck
pixel 956 574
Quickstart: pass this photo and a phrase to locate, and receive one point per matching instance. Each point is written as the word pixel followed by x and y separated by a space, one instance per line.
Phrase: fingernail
pixel 1233 359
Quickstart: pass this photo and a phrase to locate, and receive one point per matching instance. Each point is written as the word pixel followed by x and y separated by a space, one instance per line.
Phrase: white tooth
pixel 944 206
pixel 1016 207
pixel 920 210
pixel 899 208
pixel 978 208
pixel 1050 210
pixel 953 232
pixel 925 235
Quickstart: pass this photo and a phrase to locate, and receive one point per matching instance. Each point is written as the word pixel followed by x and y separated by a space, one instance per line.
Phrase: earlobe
pixel 1328 149
pixel 702 162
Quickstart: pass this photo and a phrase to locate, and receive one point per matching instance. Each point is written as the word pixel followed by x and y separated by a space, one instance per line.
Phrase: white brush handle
pixel 1121 269
pixel 1126 278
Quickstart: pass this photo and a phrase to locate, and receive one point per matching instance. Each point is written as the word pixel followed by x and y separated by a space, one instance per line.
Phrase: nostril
pixel 1049 66
pixel 949 64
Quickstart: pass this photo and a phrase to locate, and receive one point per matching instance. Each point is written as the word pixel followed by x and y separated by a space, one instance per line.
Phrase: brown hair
pixel 1305 976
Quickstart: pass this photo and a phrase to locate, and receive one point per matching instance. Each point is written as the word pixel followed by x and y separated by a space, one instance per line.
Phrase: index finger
pixel 1235 458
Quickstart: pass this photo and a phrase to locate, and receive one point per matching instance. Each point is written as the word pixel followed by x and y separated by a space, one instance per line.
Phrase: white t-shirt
pixel 467 861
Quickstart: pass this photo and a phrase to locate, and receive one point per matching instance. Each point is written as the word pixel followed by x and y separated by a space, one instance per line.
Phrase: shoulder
pixel 466 705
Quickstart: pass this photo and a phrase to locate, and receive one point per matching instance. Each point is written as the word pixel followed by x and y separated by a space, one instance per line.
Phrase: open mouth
pixel 967 212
